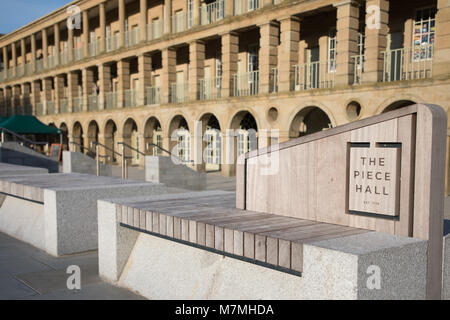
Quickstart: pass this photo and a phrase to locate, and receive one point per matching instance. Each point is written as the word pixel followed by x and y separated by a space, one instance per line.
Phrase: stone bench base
pixel 64 206
pixel 161 265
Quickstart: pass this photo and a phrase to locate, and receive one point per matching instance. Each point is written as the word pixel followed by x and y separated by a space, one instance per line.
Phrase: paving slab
pixel 29 273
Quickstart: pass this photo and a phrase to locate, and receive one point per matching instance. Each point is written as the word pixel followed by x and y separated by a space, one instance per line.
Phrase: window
pixel 184 145
pixel 253 5
pixel 423 34
pixel 332 43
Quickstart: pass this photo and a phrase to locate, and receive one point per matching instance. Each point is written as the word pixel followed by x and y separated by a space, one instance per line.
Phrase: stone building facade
pixel 148 72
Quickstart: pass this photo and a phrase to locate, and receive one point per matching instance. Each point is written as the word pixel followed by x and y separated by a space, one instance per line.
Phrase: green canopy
pixel 27 125
pixel 2 119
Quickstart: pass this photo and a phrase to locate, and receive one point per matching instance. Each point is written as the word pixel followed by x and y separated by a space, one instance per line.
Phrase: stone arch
pixel 211 142
pixel 309 120
pixel 65 135
pixel 245 133
pixel 92 136
pixel 398 105
pixel 153 134
pixel 395 100
pixel 111 137
pixel 130 136
pixel 77 136
pixel 179 138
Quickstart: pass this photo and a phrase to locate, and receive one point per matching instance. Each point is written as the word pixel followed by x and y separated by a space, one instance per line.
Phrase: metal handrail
pixel 132 148
pixel 106 148
pixel 168 152
pixel 83 148
pixel 20 137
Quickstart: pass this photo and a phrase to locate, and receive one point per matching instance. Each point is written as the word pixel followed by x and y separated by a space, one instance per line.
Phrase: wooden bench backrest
pixel 311 178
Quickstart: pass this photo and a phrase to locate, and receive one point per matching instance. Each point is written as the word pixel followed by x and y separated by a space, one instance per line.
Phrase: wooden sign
pixel 56 151
pixel 374 180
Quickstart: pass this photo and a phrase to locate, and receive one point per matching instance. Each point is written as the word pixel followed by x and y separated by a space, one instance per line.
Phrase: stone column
pixel 57 44
pixel 196 13
pixel 35 95
pixel 143 20
pixel 267 54
pixel 196 67
pixel 145 69
pixel 347 40
pixel 167 16
pixel 441 58
pixel 47 88
pixel 229 152
pixel 123 73
pixel 376 40
pixel 86 33
pixel 23 53
pixel 72 83
pixel 229 8
pixel 59 92
pixel 8 99
pixel 122 23
pixel 5 61
pixel 15 99
pixel 169 57
pixel 2 104
pixel 104 77
pixel 230 49
pixel 88 84
pixel 102 13
pixel 323 50
pixel 26 89
pixel 33 52
pixel 288 53
pixel 44 47
pixel 70 43
pixel 14 58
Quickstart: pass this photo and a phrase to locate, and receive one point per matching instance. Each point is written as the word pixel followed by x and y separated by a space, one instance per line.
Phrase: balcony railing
pixel 77 104
pixel 180 22
pixel 28 69
pixel 64 105
pixel 246 84
pixel 210 13
pixel 51 61
pixel 19 71
pixel 93 102
pixel 94 48
pixel 39 65
pixel 153 96
pixel 111 100
pixel 244 6
pixel 131 98
pixel 10 73
pixel 112 43
pixel 358 69
pixel 51 107
pixel 39 109
pixel 274 80
pixel 155 30
pixel 210 89
pixel 132 37
pixel 64 57
pixel 78 53
pixel 408 64
pixel 314 75
pixel 179 92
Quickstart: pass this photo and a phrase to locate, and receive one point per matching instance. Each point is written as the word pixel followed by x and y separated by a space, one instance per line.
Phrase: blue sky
pixel 16 13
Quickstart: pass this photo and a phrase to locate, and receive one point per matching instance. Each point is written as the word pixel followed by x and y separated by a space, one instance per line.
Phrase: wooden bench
pixel 302 194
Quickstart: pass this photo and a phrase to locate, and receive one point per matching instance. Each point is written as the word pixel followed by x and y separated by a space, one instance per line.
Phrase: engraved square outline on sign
pixel 392 145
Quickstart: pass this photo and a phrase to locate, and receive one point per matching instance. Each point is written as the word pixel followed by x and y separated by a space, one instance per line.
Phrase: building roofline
pixel 40 19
